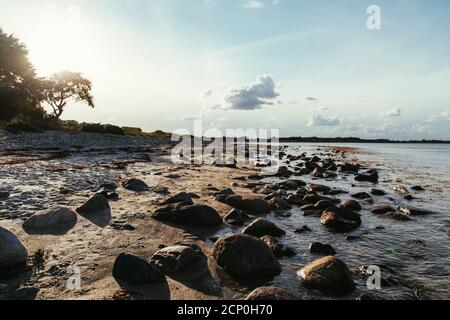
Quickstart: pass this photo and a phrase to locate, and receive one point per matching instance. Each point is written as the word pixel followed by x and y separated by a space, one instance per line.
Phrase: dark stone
pixel 303 229
pixel 55 222
pixel 136 185
pixel 261 227
pixel 378 192
pixel 371 176
pixel 182 197
pixel 135 271
pixel 341 219
pixel 318 188
pixel 415 212
pixel 191 215
pixel 382 209
pixel 235 217
pixel 250 205
pixel 270 294
pixel 4 194
pixel 362 195
pixel 323 205
pixel 328 275
pixel 175 259
pixel 324 249
pixel 417 188
pixel 280 250
pixel 245 257
pixel 351 204
pixel 96 204
pixel 295 199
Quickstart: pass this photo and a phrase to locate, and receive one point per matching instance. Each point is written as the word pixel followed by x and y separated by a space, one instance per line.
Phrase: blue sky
pixel 306 67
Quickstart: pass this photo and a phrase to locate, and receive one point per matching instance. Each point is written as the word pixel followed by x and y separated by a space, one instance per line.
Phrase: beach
pixel 145 195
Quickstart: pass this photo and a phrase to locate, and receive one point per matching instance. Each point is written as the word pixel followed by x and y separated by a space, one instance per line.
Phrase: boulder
pixel 4 194
pixel 261 227
pixel 341 219
pixel 323 205
pixel 96 204
pixel 249 205
pixel 319 248
pixel 351 204
pixel 279 250
pixel 245 257
pixel 348 168
pixel 318 188
pixel 328 275
pixel 279 204
pixel 378 192
pixel 56 221
pixel 183 197
pixel 270 294
pixel 136 185
pixel 235 218
pixel 371 176
pixel 283 171
pixel 12 251
pixel 361 195
pixel 190 215
pixel 401 190
pixel 382 209
pixel 295 199
pixel 414 211
pixel 135 271
pixel 175 259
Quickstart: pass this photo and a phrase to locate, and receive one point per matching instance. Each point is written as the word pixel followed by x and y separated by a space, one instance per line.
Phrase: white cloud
pixel 255 96
pixel 254 4
pixel 317 120
pixel 396 112
pixel 445 116
pixel 422 128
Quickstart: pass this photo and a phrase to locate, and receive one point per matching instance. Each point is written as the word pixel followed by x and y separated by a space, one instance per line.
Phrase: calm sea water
pixel 420 267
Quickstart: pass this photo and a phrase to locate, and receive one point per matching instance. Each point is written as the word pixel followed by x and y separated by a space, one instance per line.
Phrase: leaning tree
pixel 65 86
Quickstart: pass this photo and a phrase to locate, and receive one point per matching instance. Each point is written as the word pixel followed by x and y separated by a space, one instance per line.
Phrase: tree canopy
pixel 23 94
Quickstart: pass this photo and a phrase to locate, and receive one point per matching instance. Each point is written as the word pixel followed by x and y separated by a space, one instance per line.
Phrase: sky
pixel 306 67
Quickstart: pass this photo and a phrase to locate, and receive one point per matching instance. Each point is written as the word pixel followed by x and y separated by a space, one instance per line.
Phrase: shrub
pixel 132 131
pixel 19 126
pixel 92 127
pixel 109 128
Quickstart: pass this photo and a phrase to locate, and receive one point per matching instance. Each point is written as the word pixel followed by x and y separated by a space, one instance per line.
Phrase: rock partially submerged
pixel 235 217
pixel 261 227
pixel 382 209
pixel 175 259
pixel 414 211
pixel 4 194
pixel 56 222
pixel 190 215
pixel 328 275
pixel 270 294
pixel 135 271
pixel 250 205
pixel 351 204
pixel 12 250
pixel 319 248
pixel 245 257
pixel 280 250
pixel 341 219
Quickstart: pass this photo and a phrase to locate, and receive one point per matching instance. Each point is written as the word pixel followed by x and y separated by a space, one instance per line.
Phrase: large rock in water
pixel 341 219
pixel 245 257
pixel 190 215
pixel 270 294
pixel 96 204
pixel 261 227
pixel 175 259
pixel 250 205
pixel 328 275
pixel 135 271
pixel 351 204
pixel 12 250
pixel 279 250
pixel 56 222
pixel 235 217
pixel 136 185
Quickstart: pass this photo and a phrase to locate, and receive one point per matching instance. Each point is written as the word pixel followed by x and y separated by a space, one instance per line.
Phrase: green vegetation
pixel 23 96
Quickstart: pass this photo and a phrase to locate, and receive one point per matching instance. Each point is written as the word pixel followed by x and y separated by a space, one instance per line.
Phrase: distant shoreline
pixel 358 140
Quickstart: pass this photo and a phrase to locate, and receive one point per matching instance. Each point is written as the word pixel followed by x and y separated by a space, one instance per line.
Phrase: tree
pixel 20 89
pixel 65 86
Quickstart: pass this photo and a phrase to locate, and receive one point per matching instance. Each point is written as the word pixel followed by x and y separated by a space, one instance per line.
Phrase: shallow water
pixel 422 269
